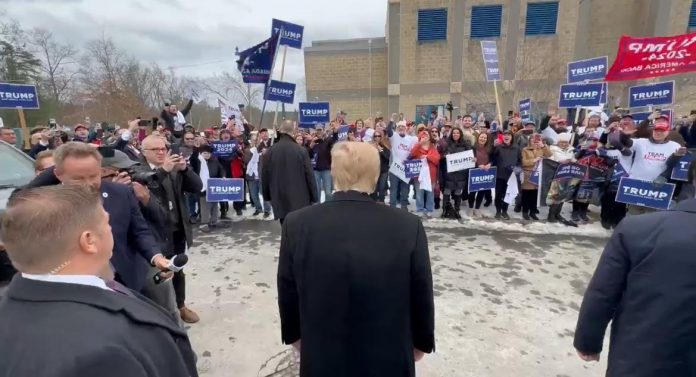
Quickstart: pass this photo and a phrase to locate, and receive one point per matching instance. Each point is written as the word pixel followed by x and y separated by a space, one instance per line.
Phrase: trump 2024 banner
pixel 224 149
pixel 480 179
pixel 681 171
pixel 526 109
pixel 225 190
pixel 490 60
pixel 640 58
pixel 14 96
pixel 644 193
pixel 661 93
pixel 312 113
pixel 280 91
pixel 412 168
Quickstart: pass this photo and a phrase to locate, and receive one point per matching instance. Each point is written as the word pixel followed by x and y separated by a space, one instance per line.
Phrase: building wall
pixel 432 73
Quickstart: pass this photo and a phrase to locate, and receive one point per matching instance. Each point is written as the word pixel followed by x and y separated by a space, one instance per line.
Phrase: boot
pixel 518 208
pixel 446 206
pixel 561 219
pixel 457 206
pixel 437 202
pixel 583 216
pixel 533 215
pixel 575 216
pixel 552 218
pixel 498 214
pixel 525 215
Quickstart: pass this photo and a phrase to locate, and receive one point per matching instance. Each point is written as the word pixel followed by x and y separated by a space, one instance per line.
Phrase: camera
pixel 145 178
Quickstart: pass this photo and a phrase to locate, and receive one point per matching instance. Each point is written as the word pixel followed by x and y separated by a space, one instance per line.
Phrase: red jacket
pixel 431 155
pixel 237 167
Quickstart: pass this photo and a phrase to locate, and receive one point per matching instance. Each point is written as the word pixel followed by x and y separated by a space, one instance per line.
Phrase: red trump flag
pixel 640 58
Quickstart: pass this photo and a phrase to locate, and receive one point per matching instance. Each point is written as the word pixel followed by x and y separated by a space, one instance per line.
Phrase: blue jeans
pixel 323 178
pixel 425 200
pixel 382 187
pixel 396 185
pixel 255 194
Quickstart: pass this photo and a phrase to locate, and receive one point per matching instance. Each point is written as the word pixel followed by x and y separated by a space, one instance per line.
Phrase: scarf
pixel 252 169
pixel 205 173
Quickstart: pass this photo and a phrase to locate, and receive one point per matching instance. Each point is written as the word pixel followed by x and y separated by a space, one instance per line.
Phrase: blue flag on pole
pixel 255 63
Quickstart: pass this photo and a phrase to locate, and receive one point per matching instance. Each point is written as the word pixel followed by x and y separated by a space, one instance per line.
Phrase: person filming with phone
pixel 175 177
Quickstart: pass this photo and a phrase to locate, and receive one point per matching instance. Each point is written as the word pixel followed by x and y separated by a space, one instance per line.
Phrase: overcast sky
pixel 184 34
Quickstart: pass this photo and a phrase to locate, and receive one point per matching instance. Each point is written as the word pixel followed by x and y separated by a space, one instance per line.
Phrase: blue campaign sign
pixel 292 33
pixel 619 172
pixel 605 90
pixel 312 113
pixel 412 168
pixel 661 93
pixel 526 109
pixel 224 149
pixel 644 193
pixel 571 170
pixel 681 170
pixel 280 91
pixel 13 96
pixel 343 133
pixel 490 60
pixel 587 70
pixel 480 179
pixel 580 95
pixel 643 115
pixel 225 190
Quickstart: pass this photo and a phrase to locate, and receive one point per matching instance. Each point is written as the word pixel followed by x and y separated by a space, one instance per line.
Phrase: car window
pixel 17 169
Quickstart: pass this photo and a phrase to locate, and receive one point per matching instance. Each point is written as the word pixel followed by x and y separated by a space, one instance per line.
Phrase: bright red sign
pixel 640 58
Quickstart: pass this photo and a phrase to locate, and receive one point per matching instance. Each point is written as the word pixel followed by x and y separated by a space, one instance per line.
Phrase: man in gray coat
pixel 645 284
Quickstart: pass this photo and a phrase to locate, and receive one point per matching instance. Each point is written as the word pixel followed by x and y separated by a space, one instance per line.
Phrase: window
pixel 432 25
pixel 486 21
pixel 541 18
pixel 692 17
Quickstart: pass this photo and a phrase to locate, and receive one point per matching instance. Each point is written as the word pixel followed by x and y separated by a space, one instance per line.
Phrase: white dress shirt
pixel 69 279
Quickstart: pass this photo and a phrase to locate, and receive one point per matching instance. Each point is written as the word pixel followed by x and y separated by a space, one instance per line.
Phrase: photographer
pixel 174 177
pixel 118 168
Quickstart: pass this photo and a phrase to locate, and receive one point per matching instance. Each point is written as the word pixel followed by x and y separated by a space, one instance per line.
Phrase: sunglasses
pixel 376 136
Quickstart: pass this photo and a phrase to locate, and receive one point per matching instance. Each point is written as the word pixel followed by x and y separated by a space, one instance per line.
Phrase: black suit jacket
pixel 355 285
pixel 287 177
pixel 134 243
pixel 645 284
pixel 69 330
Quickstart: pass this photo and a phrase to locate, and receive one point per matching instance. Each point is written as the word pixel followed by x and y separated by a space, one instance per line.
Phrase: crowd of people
pixel 145 186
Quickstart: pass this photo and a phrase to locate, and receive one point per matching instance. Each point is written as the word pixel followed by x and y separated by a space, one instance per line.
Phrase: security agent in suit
pixel 355 306
pixel 174 177
pixel 134 245
pixel 59 315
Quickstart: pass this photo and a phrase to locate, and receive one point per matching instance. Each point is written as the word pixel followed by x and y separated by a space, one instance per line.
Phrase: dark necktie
pixel 119 288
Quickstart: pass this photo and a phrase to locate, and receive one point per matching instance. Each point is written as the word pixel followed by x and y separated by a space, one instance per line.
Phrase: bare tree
pixel 57 64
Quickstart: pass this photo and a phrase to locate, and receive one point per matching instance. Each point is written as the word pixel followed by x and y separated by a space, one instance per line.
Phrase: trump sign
pixel 225 190
pixel 644 193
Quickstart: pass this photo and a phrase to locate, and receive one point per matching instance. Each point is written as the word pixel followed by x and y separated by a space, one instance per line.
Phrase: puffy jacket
pixel 456 180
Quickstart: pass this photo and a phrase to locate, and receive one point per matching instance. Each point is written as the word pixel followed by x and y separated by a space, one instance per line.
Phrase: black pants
pixel 224 208
pixel 612 212
pixel 580 207
pixel 529 200
pixel 500 190
pixel 478 197
pixel 179 280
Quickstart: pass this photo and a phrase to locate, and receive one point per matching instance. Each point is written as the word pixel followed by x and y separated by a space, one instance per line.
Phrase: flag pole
pixel 275 55
pixel 282 72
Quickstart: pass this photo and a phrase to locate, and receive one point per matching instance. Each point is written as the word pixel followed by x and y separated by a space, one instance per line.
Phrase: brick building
pixel 431 53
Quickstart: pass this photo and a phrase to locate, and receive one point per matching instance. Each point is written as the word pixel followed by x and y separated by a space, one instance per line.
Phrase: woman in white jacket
pixel 563 153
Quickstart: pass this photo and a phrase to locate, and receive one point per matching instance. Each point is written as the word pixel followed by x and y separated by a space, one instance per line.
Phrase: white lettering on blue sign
pixel 645 193
pixel 225 190
pixel 652 94
pixel 315 112
pixel 483 179
pixel 588 70
pixel 281 91
pixel 9 95
pixel 581 95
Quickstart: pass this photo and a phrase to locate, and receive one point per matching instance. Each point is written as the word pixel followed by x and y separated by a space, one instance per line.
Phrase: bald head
pixel 288 127
pixel 45 229
pixel 155 149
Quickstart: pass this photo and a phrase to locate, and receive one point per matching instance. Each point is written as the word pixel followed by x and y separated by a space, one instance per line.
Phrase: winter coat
pixel 384 157
pixel 506 158
pixel 645 285
pixel 287 177
pixel 529 156
pixel 560 155
pixel 169 120
pixel 457 180
pixel 432 157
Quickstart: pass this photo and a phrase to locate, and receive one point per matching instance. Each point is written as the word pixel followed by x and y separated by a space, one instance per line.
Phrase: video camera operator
pixel 175 177
pixel 118 168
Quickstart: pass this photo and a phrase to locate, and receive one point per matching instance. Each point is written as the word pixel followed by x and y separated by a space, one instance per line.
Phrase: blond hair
pixel 354 166
pixel 41 226
pixel 38 162
pixel 76 150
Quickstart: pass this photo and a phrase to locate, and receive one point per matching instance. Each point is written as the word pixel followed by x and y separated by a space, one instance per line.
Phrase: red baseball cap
pixel 79 125
pixel 661 126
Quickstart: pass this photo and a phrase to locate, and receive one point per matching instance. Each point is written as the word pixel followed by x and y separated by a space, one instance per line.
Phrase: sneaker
pixel 257 212
pixel 506 216
pixel 204 228
pixel 498 215
pixel 476 214
pixel 188 315
pixel 224 217
pixel 193 219
pixel 266 215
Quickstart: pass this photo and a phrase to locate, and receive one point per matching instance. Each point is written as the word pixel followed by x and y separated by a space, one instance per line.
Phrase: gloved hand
pixel 659 182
